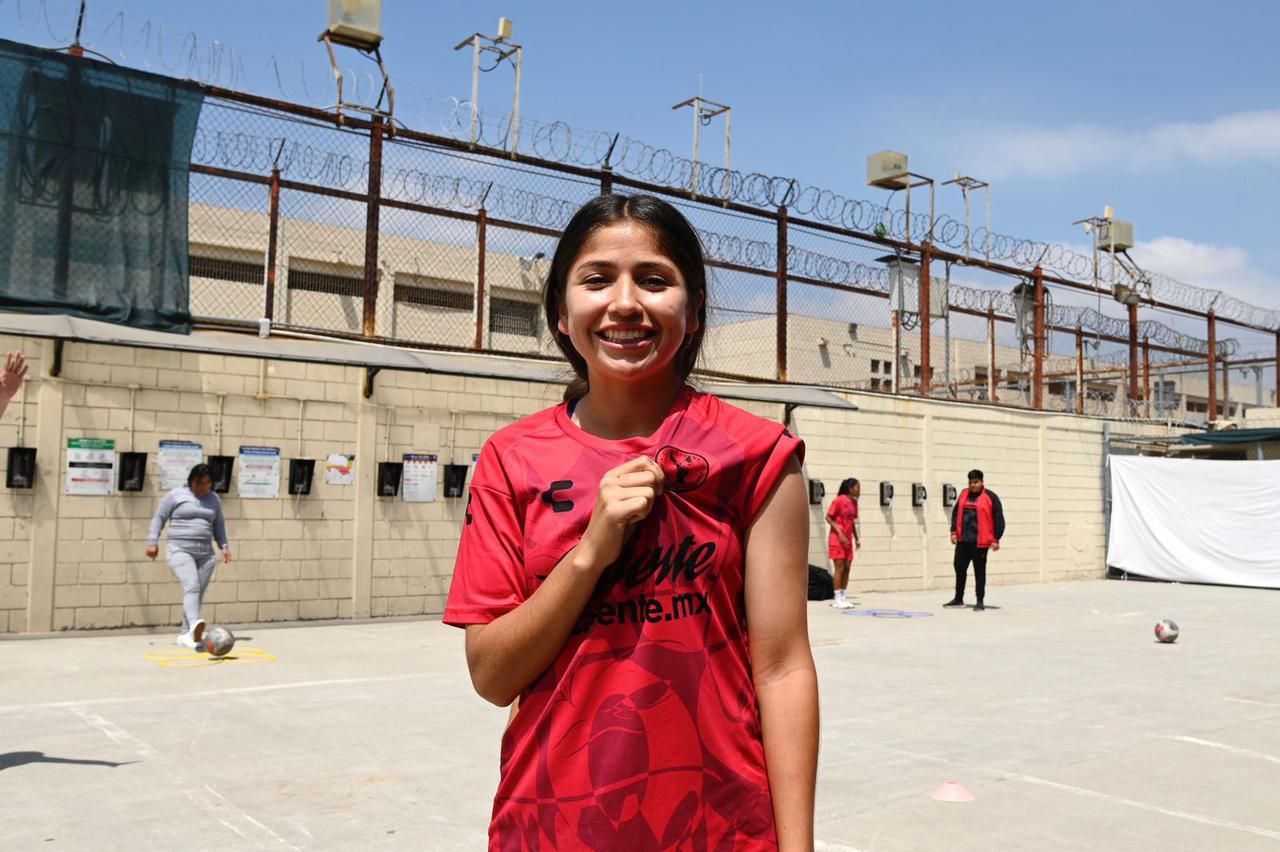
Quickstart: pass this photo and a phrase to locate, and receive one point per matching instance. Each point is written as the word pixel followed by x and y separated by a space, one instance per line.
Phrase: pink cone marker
pixel 952 791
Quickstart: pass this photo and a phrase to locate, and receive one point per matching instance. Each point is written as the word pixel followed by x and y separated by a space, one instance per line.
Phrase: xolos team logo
pixel 684 470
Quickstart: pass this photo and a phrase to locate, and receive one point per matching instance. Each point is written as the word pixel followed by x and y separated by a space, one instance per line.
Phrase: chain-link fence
pixel 382 232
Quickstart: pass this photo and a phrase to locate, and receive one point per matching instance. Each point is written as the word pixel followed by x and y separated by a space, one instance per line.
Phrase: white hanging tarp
pixel 1196 520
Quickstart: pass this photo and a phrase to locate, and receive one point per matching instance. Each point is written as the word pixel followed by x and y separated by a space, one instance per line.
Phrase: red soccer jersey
pixel 844 511
pixel 644 733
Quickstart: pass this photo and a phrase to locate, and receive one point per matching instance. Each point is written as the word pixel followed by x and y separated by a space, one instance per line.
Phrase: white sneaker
pixel 197 631
pixel 844 603
pixel 185 641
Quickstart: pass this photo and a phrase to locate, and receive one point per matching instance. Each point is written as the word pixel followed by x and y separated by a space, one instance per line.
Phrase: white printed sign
pixel 259 473
pixel 176 460
pixel 91 466
pixel 420 479
pixel 340 469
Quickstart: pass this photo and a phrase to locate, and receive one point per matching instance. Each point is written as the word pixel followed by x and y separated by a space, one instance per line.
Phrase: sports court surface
pixel 1073 728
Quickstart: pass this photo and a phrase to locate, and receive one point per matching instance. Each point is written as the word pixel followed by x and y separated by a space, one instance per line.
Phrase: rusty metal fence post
pixel 926 314
pixel 1133 360
pixel 782 295
pixel 1146 377
pixel 1079 369
pixel 1213 365
pixel 1037 374
pixel 373 211
pixel 482 222
pixel 273 238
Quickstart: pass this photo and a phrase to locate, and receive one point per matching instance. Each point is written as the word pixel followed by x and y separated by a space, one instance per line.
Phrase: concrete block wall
pixel 76 562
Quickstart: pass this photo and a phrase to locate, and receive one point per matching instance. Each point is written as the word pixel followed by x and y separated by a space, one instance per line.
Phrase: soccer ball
pixel 219 641
pixel 1166 631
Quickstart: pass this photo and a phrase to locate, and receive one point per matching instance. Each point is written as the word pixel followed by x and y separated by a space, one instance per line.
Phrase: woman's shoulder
pixel 738 423
pixel 528 431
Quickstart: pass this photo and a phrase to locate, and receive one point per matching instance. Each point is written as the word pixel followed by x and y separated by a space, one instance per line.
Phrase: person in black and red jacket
pixel 977 525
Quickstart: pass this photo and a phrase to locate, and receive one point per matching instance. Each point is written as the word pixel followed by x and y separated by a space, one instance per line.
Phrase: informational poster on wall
pixel 176 460
pixel 259 473
pixel 91 466
pixel 340 469
pixel 420 480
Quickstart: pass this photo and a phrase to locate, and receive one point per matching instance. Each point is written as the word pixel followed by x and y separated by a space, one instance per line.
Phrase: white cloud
pixel 1227 142
pixel 1226 268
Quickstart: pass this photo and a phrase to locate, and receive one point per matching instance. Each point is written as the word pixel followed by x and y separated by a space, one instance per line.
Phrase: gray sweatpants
pixel 192 563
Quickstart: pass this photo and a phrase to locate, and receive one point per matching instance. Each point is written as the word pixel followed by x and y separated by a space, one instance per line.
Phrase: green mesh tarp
pixel 93 189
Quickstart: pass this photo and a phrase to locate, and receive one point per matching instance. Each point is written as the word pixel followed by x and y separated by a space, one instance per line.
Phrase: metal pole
pixel 482 219
pixel 1133 359
pixel 1226 390
pixel 946 331
pixel 897 351
pixel 1079 370
pixel 273 230
pixel 1146 377
pixel 1037 369
pixel 728 120
pixel 991 355
pixel 373 208
pixel 1213 367
pixel 515 110
pixel 606 181
pixel 697 125
pixel 986 237
pixel 475 88
pixel 782 295
pixel 1277 370
pixel 926 315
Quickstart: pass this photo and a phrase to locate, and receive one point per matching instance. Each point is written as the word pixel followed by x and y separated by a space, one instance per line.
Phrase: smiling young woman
pixel 633 571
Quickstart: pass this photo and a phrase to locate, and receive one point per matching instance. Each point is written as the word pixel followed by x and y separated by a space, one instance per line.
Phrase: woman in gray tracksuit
pixel 194 516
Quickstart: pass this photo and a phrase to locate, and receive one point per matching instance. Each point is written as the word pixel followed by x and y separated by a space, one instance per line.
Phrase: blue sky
pixel 1168 111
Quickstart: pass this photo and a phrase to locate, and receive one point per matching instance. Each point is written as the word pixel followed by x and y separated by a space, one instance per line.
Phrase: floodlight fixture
pixel 888 170
pixel 357 24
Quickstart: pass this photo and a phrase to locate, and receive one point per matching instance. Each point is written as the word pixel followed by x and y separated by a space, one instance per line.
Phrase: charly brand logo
pixel 549 496
pixel 684 471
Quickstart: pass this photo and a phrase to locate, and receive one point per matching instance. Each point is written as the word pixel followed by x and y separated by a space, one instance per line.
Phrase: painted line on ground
pixel 213 693
pixel 223 810
pixel 1243 752
pixel 1173 812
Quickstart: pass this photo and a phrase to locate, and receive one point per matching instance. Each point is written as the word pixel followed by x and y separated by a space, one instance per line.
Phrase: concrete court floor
pixel 1058 710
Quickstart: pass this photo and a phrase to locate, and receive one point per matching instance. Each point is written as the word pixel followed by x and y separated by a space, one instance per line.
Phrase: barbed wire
pixel 219 64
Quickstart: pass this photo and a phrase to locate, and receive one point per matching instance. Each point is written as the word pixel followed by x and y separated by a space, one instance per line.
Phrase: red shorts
pixel 836 550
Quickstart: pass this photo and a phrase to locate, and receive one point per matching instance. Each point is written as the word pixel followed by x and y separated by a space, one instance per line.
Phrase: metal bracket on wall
pixel 369 373
pixel 56 370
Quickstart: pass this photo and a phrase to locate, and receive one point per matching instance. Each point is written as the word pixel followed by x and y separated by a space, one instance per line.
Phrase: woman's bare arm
pixel 782 665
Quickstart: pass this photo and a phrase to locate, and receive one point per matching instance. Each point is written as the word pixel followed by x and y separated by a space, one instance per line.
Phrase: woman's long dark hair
pixel 676 239
pixel 846 486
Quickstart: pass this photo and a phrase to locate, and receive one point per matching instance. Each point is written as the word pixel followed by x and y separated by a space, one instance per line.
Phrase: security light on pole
pixel 358 24
pixel 888 170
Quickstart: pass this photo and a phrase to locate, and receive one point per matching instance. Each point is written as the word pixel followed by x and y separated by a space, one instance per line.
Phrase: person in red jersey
pixel 842 517
pixel 632 569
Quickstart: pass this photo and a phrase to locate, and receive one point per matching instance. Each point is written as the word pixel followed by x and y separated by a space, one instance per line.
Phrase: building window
pixel 449 300
pixel 511 316
pixel 1195 406
pixel 323 282
pixel 227 270
pixel 875 366
pixel 875 384
pixel 916 372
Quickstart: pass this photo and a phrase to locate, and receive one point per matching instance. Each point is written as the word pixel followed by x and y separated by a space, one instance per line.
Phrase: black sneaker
pixel 978 607
pixel 954 602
